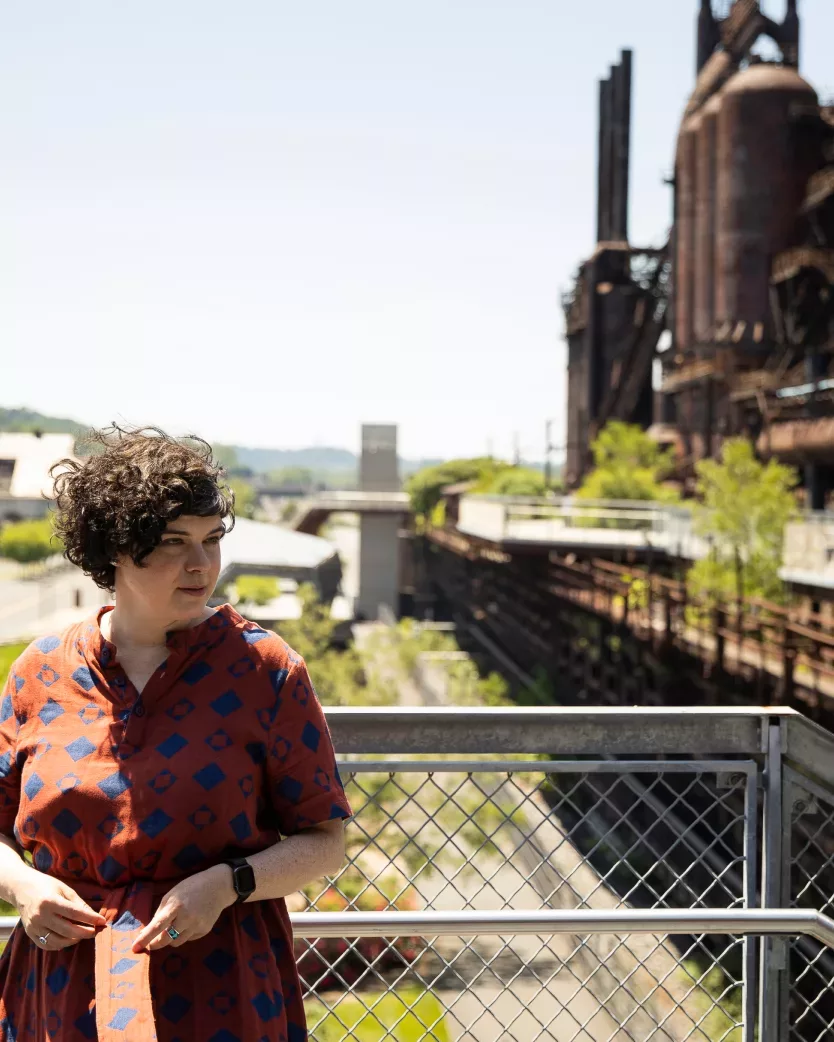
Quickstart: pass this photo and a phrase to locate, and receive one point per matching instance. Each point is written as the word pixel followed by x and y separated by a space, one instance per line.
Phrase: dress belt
pixel 122 976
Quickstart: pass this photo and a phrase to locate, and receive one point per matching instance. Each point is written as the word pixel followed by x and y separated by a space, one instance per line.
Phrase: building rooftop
pixel 25 460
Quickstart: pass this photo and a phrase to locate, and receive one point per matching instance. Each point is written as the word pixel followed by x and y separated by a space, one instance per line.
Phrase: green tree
pixel 338 675
pixel 257 589
pixel 745 505
pixel 425 486
pixel 628 465
pixel 516 481
pixel 29 541
pixel 245 498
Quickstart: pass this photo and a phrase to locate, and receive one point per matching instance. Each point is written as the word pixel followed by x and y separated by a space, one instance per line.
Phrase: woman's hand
pixel 49 908
pixel 192 907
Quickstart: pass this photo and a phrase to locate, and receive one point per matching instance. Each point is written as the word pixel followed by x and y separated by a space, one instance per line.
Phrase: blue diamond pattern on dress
pixel 290 788
pixel 114 785
pixel 226 704
pixel 90 714
pixel 278 678
pixel 33 786
pixel 181 709
pixel 51 711
pixel 194 674
pixel 86 1024
pixel 281 749
pixel 189 858
pixel 241 826
pixel 219 962
pixel 66 823
pixel 311 736
pixel 57 980
pixel 175 1007
pixel 111 869
pixel 5 764
pixel 84 678
pixel 47 644
pixel 209 776
pixel 110 826
pixel 202 817
pixel 243 666
pixel 172 745
pixel 6 709
pixel 254 635
pixel 265 1006
pixel 80 748
pixel 162 782
pixel 18 682
pixel 42 859
pixel 75 864
pixel 155 823
pixel 219 741
pixel 69 781
pixel 47 675
pixel 224 1035
pixel 256 751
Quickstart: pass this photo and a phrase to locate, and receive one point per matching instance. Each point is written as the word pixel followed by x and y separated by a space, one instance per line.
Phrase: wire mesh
pixel 811 1007
pixel 531 835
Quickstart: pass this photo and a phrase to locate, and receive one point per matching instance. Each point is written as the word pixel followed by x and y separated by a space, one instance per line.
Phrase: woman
pixel 152 759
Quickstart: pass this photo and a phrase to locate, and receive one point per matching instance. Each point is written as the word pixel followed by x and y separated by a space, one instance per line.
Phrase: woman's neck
pixel 134 630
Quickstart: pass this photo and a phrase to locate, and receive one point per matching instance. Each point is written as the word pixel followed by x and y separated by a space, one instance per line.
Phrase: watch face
pixel 244 879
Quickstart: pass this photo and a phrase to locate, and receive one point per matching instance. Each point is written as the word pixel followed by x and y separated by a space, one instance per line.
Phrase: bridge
pixel 312 511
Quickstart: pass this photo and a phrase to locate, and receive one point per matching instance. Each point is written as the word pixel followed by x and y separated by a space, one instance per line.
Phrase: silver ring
pixel 172 933
pixel 43 939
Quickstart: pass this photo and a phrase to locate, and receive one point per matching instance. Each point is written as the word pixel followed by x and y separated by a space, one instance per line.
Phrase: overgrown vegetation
pixel 488 476
pixel 29 541
pixel 256 589
pixel 628 465
pixel 743 509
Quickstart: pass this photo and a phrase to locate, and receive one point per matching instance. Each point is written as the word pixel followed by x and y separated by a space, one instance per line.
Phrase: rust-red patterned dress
pixel 122 795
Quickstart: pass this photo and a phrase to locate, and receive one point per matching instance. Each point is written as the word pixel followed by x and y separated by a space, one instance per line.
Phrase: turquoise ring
pixel 172 933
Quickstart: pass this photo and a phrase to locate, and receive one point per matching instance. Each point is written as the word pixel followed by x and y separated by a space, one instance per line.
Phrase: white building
pixel 25 460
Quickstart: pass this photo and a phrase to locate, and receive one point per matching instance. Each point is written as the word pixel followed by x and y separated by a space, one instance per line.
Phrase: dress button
pixel 139 709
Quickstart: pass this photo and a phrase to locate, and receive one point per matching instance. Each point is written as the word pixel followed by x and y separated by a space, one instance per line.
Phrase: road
pixel 32 607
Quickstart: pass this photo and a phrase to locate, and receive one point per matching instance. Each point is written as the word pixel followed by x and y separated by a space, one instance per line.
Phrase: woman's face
pixel 177 578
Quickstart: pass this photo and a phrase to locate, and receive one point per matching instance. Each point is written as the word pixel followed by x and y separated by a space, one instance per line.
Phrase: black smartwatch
pixel 243 877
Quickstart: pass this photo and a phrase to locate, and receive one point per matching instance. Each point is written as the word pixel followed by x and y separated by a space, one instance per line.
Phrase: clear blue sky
pixel 268 221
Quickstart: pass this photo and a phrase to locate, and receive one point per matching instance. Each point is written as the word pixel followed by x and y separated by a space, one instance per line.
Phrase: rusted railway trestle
pixel 599 633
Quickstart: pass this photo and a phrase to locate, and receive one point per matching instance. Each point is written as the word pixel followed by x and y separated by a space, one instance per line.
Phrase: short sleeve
pixel 9 766
pixel 304 781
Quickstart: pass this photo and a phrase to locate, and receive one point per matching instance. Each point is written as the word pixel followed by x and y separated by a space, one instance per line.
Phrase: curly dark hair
pixel 130 485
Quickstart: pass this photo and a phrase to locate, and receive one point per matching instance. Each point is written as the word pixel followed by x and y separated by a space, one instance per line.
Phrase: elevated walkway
pixel 566 524
pixel 311 512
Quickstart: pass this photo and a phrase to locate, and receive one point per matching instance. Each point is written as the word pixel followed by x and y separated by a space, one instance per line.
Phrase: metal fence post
pixel 773 978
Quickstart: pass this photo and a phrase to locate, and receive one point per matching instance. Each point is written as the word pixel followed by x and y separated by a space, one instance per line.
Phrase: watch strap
pixel 236 863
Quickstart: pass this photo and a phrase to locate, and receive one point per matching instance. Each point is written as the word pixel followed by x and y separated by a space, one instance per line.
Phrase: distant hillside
pixel 332 465
pixel 27 420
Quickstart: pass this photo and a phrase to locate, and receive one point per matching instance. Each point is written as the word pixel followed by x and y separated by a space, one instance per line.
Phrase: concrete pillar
pixel 379 551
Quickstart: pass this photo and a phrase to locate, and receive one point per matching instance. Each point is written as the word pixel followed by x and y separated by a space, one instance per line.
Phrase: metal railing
pixel 576 875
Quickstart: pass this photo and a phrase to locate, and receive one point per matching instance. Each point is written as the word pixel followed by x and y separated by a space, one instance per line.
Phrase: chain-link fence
pixel 810 813
pixel 685 826
pixel 539 835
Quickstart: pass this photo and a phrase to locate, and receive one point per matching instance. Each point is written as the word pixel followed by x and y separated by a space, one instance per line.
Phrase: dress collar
pixel 184 641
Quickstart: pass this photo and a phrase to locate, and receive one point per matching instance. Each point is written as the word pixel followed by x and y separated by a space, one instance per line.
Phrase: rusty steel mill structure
pixel 745 286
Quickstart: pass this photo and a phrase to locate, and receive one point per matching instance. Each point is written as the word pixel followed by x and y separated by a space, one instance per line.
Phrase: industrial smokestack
pixel 707 35
pixel 790 35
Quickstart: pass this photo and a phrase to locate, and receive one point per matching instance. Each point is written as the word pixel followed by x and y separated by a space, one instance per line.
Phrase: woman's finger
pixel 76 931
pixel 165 915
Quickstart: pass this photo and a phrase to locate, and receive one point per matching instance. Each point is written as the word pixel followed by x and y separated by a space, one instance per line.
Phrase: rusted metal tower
pixel 615 311
pixel 753 334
